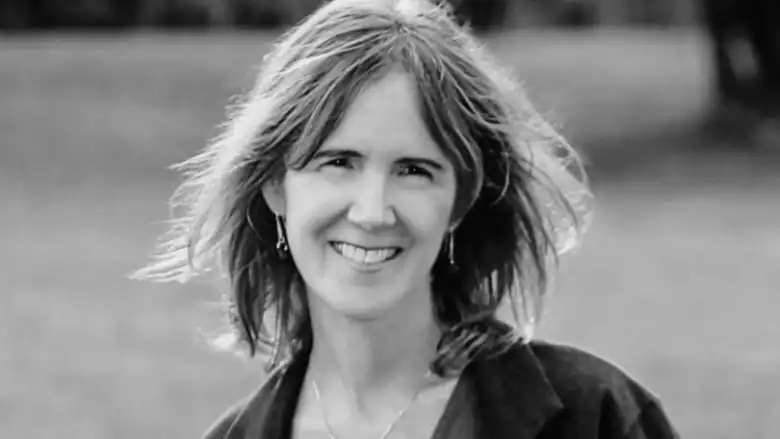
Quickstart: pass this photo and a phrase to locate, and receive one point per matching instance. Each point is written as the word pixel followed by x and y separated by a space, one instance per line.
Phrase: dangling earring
pixel 451 251
pixel 281 241
pixel 277 340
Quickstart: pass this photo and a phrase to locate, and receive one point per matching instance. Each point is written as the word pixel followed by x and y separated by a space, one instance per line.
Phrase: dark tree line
pixel 108 14
pixel 731 26
pixel 117 14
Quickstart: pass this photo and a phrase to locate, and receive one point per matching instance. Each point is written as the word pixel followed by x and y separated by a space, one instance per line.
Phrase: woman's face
pixel 366 217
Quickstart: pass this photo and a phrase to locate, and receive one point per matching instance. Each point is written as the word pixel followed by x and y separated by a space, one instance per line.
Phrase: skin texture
pixel 380 181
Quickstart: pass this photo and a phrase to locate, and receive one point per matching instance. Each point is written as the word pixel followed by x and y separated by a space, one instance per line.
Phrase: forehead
pixel 386 116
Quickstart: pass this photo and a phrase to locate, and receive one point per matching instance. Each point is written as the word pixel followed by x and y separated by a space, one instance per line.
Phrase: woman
pixel 373 202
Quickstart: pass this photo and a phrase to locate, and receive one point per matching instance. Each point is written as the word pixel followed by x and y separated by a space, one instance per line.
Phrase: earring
pixel 281 242
pixel 451 251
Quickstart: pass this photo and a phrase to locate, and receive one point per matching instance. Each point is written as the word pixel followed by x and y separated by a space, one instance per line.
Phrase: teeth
pixel 362 255
pixel 348 251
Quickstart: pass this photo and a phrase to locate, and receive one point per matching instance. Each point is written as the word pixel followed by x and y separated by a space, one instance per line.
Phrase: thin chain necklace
pixel 389 428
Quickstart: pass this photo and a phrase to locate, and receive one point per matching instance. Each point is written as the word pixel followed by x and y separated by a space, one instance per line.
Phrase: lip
pixel 362 266
pixel 367 247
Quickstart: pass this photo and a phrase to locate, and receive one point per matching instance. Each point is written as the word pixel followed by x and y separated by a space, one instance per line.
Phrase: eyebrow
pixel 336 152
pixel 351 153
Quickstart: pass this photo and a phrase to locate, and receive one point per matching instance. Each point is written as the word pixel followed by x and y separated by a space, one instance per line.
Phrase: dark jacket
pixel 533 391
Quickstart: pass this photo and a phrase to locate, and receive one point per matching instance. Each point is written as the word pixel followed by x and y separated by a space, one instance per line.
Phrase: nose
pixel 370 208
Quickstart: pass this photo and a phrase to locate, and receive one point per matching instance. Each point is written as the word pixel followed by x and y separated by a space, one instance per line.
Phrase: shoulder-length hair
pixel 518 203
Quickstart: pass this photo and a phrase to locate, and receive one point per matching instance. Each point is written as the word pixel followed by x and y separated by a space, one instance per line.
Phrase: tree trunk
pixel 756 24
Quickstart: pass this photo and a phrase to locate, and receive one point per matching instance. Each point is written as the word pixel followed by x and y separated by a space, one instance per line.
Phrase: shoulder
pixel 574 372
pixel 588 384
pixel 544 390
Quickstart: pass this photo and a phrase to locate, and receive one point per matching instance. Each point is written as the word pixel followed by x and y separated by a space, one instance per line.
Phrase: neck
pixel 368 361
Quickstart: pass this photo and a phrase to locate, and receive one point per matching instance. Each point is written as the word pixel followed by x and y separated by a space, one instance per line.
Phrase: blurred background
pixel 673 104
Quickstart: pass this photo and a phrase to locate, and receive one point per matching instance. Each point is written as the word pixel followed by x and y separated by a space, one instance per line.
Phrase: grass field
pixel 677 282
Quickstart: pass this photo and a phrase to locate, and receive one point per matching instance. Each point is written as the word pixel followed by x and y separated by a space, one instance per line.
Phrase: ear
pixel 273 193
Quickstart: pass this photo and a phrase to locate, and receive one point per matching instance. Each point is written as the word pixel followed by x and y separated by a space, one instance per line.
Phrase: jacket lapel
pixel 270 411
pixel 514 397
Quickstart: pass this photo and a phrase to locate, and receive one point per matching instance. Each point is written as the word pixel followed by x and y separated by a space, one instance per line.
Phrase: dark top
pixel 457 421
pixel 534 390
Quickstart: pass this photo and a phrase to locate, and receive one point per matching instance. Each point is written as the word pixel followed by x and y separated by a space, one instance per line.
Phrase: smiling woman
pixel 373 202
pixel 366 215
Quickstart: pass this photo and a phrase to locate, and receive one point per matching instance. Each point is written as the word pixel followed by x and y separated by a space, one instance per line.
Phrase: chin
pixel 362 314
pixel 361 302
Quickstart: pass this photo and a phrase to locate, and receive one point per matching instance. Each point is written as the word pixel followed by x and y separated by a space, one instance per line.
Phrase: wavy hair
pixel 521 194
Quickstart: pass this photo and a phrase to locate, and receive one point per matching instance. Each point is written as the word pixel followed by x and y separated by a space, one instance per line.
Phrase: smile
pixel 365 256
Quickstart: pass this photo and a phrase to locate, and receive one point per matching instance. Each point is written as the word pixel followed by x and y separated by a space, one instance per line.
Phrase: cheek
pixel 309 207
pixel 427 213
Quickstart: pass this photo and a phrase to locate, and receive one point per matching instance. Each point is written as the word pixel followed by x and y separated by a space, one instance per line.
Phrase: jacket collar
pixel 514 398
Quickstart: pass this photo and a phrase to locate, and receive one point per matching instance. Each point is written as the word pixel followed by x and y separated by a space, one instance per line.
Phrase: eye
pixel 338 162
pixel 414 170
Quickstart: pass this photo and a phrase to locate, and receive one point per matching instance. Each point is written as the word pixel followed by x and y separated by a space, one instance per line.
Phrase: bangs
pixel 330 90
pixel 450 114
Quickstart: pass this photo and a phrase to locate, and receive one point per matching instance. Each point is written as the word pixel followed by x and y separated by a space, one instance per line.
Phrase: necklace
pixel 389 428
